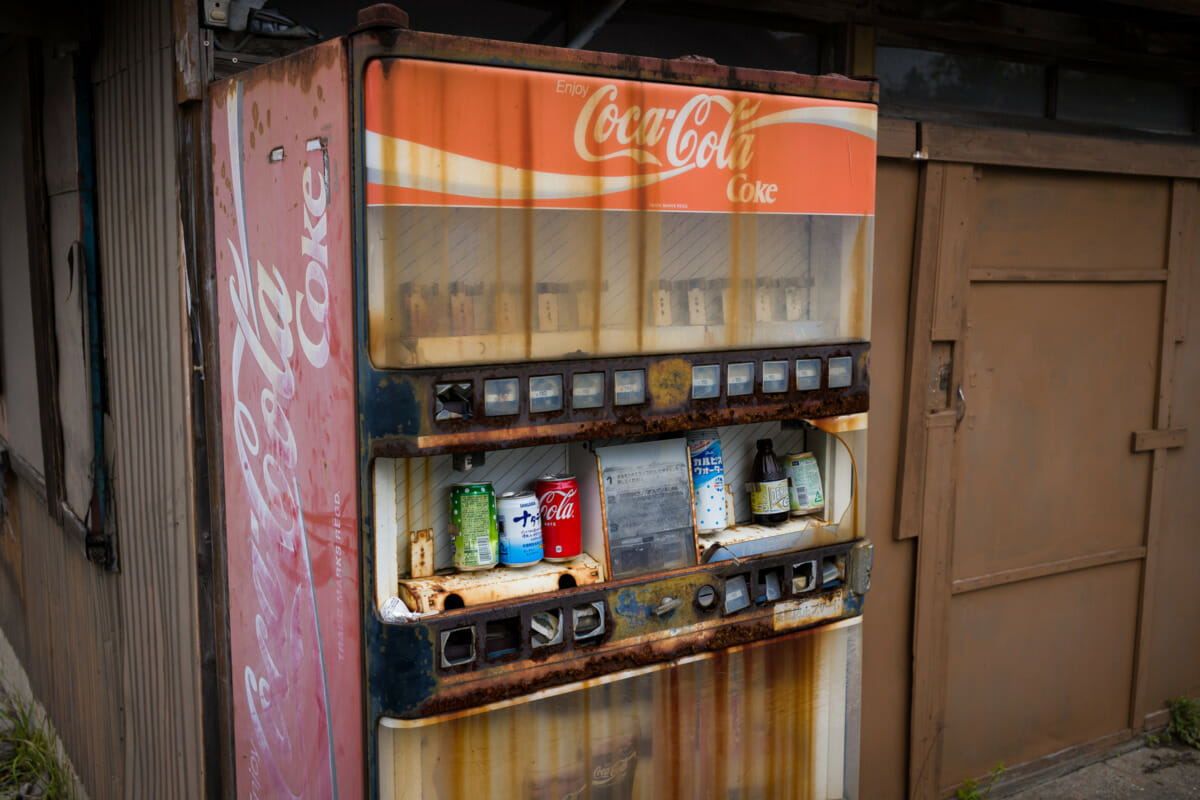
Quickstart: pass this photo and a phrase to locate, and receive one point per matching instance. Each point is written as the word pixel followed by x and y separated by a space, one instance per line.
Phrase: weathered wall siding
pixel 69 644
pixel 141 274
pixel 887 623
pixel 1175 638
pixel 70 281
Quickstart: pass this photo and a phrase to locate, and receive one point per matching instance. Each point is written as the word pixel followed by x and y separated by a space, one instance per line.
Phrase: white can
pixel 519 522
pixel 708 480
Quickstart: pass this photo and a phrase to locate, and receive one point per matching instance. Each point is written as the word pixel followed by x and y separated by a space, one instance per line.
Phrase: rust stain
pixel 670 382
pixel 858 281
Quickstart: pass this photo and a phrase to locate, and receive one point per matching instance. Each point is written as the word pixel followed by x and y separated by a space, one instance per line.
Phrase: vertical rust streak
pixel 427 495
pixel 858 279
pixel 597 275
pixel 407 488
pixel 731 313
pixel 722 721
pixel 528 219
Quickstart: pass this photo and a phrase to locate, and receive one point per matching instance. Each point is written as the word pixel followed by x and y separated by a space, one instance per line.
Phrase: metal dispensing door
pixel 515 262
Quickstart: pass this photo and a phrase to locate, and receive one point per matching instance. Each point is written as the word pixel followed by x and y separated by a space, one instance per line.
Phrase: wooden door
pixel 1041 345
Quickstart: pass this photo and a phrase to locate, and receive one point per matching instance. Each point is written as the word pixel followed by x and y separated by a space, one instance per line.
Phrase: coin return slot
pixel 588 620
pixel 737 594
pixel 458 647
pixel 453 401
pixel 502 637
pixel 770 585
pixel 831 570
pixel 706 597
pixel 804 577
pixel 546 628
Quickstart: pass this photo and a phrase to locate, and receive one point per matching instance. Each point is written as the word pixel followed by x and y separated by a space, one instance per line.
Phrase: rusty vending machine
pixel 544 381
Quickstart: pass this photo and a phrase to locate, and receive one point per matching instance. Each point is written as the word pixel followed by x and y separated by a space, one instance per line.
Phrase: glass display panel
pixel 497 235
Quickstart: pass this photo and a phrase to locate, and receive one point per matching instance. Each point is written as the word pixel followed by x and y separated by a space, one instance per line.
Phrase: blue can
pixel 708 480
pixel 520 525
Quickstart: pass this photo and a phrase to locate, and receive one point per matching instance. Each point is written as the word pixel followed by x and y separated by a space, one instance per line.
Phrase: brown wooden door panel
pixel 1035 519
pixel 1037 667
pixel 887 625
pixel 1036 220
pixel 1057 377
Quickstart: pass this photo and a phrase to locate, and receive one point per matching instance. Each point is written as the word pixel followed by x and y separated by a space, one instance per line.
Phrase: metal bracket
pixel 858 566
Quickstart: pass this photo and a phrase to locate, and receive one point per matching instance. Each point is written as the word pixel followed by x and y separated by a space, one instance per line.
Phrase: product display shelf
pixel 480 587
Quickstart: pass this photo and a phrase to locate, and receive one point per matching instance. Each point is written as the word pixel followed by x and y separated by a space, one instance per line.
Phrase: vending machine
pixel 544 381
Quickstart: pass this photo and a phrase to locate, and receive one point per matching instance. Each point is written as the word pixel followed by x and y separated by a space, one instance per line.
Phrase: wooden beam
pixel 1060 275
pixel 931 625
pixel 189 71
pixel 1018 148
pixel 936 305
pixel 41 279
pixel 1169 438
pixel 897 138
pixel 953 257
pixel 1179 248
pixel 1045 569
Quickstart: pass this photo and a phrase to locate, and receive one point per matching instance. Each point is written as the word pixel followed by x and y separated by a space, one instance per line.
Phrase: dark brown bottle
pixel 768 487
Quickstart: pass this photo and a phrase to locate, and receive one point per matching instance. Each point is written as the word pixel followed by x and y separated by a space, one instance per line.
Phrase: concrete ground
pixel 1159 773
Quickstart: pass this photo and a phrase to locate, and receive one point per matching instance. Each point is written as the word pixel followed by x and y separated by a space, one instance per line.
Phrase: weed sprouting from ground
pixel 29 763
pixel 972 789
pixel 1184 726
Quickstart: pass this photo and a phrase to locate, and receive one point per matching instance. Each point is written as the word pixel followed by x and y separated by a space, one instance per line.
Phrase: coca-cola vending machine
pixel 544 382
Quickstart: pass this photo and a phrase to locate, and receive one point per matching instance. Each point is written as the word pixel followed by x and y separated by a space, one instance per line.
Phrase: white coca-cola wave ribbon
pixel 409 165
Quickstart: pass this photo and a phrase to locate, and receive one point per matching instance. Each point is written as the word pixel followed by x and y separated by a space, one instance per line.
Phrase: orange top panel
pixel 441 133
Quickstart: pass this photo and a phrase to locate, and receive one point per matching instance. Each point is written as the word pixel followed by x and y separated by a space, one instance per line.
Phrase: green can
pixel 473 526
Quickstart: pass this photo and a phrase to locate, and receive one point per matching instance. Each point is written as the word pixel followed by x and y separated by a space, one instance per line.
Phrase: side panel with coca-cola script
pixel 281 174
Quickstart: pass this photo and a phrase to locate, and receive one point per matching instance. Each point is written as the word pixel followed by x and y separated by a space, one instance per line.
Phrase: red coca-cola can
pixel 558 501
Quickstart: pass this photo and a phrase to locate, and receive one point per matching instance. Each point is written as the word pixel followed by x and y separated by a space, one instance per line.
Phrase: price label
pixel 741 379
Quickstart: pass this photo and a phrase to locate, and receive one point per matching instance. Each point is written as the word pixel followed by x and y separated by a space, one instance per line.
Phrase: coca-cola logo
pixel 558 504
pixel 688 135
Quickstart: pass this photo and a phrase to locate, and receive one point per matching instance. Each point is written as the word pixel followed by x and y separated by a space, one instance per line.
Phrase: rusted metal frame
pixel 193 165
pixel 438 47
pixel 1046 569
pixel 1181 249
pixel 485 680
pixel 931 624
pixel 41 278
pixel 391 433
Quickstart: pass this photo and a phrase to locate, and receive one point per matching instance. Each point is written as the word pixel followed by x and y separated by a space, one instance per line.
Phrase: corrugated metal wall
pixel 67 635
pixel 148 370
